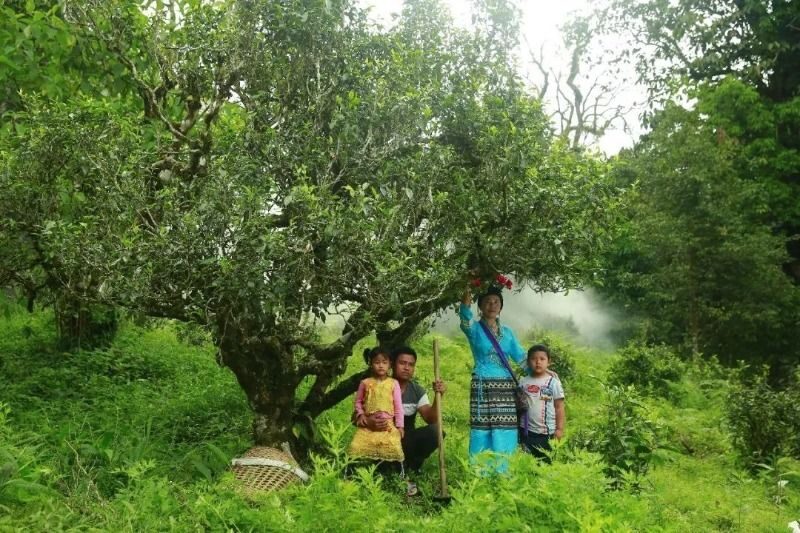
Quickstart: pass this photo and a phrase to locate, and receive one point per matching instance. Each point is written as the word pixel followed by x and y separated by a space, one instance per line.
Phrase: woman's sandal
pixel 411 489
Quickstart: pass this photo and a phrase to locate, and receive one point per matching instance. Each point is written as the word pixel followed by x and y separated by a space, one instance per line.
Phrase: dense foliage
pixel 700 257
pixel 709 260
pixel 45 56
pixel 686 41
pixel 138 436
pixel 650 368
pixel 764 422
pixel 279 161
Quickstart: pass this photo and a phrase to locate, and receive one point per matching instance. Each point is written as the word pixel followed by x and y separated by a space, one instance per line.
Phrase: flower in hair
pixel 503 281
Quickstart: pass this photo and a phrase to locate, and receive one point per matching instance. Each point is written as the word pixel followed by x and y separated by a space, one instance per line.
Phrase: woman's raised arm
pixel 466 299
pixel 465 313
pixel 518 353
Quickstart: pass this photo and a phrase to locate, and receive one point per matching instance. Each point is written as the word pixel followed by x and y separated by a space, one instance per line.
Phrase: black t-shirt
pixel 413 397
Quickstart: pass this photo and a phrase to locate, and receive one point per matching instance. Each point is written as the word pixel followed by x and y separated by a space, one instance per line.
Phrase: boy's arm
pixel 561 418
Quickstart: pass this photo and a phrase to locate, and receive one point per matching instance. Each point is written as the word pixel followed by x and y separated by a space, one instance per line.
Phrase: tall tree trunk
pixel 84 326
pixel 273 416
pixel 266 372
pixel 694 314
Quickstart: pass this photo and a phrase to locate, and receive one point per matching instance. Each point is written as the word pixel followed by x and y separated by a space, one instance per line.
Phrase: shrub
pixel 650 368
pixel 192 334
pixel 624 437
pixel 564 496
pixel 764 422
pixel 21 479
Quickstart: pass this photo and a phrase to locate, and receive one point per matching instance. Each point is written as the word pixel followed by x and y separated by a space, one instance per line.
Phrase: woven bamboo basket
pixel 265 469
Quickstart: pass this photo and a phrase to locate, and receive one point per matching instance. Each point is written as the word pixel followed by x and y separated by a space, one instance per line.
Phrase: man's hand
pixel 439 386
pixel 559 434
pixel 375 423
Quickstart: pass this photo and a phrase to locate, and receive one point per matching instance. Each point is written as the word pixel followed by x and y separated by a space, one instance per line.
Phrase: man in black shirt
pixel 419 442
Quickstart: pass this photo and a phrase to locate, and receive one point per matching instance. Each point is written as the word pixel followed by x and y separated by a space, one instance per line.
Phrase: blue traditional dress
pixel 493 414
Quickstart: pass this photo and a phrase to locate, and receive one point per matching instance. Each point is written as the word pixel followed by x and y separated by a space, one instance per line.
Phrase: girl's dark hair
pixel 538 348
pixel 372 353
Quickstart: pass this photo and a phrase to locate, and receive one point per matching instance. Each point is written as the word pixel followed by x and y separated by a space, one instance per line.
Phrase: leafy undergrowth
pixel 138 437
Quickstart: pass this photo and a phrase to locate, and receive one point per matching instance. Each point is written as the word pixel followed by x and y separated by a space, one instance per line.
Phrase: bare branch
pixel 583 111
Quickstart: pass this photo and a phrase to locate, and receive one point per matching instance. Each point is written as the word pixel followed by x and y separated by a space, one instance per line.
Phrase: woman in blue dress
pixel 493 415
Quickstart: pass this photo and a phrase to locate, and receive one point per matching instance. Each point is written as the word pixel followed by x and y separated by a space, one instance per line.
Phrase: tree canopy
pixel 696 41
pixel 712 252
pixel 697 256
pixel 279 160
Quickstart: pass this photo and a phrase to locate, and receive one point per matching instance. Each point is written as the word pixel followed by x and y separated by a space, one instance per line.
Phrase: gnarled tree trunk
pixel 269 370
pixel 266 372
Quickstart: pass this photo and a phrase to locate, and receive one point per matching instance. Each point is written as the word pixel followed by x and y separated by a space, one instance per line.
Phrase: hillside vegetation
pixel 138 437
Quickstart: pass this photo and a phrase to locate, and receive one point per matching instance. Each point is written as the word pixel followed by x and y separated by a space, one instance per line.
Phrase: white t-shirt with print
pixel 541 393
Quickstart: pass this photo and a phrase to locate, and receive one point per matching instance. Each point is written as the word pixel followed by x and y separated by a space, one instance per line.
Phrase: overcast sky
pixel 540 25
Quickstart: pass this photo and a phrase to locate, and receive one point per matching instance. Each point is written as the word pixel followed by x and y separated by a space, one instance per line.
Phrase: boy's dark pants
pixel 537 444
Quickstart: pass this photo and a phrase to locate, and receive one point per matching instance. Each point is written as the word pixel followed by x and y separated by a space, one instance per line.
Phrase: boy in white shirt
pixel 545 418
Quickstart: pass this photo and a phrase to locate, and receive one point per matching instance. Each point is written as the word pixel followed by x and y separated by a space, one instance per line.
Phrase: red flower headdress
pixel 500 281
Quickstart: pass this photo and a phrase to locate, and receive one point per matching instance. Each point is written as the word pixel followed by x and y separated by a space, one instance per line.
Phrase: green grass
pixel 138 437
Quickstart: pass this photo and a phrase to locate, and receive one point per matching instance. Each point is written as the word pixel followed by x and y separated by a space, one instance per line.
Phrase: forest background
pixel 190 184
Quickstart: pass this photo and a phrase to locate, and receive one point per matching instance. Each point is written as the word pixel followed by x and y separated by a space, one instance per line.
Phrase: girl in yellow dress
pixel 378 395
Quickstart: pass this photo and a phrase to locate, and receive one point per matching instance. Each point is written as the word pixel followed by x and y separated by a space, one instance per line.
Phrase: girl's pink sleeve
pixel 360 398
pixel 399 416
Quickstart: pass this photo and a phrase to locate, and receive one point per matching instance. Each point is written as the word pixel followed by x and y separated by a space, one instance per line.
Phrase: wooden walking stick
pixel 443 496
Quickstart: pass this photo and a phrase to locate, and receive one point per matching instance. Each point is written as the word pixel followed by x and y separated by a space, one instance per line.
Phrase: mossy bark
pixel 266 372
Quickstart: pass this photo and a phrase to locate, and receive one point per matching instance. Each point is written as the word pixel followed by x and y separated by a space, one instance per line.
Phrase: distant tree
pixel 697 258
pixel 688 41
pixel 682 44
pixel 43 56
pixel 584 98
pixel 284 159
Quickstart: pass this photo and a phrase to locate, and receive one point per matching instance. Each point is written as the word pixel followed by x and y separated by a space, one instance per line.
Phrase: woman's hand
pixel 361 421
pixel 402 432
pixel 466 299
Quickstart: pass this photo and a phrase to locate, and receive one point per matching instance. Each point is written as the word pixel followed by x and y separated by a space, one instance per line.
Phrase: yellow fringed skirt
pixel 377 445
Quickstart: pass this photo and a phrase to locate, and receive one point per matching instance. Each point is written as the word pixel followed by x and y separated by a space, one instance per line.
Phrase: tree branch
pixel 318 400
pixel 315 404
